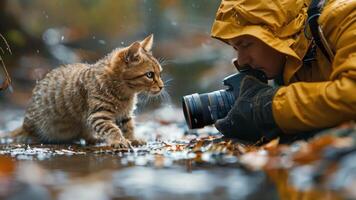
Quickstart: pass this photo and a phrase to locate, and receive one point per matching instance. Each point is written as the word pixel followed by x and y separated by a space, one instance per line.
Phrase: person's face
pixel 258 55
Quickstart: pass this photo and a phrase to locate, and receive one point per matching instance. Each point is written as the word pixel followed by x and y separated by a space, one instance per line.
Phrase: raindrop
pixel 94 37
pixel 51 36
pixel 38 51
pixel 102 42
pixel 62 38
pixel 82 142
pixel 44 13
pixel 122 43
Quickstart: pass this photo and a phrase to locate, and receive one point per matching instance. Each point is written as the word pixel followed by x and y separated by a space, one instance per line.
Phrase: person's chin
pixel 268 74
pixel 271 76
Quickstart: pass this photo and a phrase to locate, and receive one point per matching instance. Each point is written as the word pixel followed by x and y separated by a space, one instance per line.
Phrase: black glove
pixel 251 117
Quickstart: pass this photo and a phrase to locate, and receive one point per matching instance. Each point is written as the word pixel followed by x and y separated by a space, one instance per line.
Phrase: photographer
pixel 315 74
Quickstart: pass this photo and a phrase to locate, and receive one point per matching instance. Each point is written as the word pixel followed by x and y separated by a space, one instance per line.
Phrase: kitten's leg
pixel 127 125
pixel 103 126
pixel 90 138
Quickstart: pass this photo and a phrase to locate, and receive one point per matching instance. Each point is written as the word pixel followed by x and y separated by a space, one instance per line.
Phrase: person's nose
pixel 243 58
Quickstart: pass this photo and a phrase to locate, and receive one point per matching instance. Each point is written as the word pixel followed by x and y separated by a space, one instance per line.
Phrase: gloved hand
pixel 251 117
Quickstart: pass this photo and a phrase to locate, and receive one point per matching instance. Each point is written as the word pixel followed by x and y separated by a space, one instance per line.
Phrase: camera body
pixel 204 109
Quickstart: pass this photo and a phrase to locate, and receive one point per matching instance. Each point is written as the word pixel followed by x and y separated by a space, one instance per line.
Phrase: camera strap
pixel 317 35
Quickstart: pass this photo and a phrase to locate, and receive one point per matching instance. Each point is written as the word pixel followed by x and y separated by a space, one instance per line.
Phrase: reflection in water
pixel 287 190
pixel 179 164
pixel 215 183
pixel 60 178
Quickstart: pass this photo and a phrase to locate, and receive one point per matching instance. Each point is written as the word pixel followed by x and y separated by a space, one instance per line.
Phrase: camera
pixel 204 109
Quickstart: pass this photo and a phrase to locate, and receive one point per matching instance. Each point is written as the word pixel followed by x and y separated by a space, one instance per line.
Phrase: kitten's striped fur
pixel 93 102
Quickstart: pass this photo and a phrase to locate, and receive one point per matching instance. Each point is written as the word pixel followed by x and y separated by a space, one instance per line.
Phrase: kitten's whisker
pixel 164 61
pixel 167 85
pixel 144 98
pixel 161 96
pixel 169 80
pixel 169 98
pixel 165 97
pixel 161 60
pixel 149 100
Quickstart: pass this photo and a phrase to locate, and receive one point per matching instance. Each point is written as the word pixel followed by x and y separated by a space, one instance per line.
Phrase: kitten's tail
pixel 20 131
pixel 20 135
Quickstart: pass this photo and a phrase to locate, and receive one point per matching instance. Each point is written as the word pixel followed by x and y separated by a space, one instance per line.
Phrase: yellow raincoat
pixel 318 96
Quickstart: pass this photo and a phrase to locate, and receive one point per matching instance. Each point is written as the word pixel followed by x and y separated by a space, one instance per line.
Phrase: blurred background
pixel 38 35
pixel 45 34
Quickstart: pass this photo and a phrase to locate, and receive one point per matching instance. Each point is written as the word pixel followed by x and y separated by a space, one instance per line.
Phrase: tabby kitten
pixel 94 101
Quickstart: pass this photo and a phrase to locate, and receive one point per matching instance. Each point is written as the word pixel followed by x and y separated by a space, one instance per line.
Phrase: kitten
pixel 93 101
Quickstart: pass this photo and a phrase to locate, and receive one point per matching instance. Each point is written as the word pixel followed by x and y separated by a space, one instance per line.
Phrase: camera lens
pixel 204 109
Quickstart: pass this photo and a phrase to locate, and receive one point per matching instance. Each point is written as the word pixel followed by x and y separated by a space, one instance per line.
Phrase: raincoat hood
pixel 279 24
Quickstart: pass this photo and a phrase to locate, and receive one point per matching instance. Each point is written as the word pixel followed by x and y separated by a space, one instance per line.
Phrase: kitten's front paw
pixel 138 142
pixel 93 141
pixel 121 143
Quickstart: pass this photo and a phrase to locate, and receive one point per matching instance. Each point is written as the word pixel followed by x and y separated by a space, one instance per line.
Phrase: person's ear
pixel 147 43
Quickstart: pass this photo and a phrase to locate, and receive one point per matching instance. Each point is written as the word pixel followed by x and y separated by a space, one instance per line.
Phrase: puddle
pixel 180 164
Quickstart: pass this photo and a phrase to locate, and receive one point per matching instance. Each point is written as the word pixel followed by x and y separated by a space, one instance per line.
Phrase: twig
pixel 7 45
pixel 7 81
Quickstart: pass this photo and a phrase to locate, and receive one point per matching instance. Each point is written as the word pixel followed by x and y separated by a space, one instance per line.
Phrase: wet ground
pixel 180 164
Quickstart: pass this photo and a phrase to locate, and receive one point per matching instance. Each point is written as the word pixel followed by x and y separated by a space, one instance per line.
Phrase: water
pixel 175 164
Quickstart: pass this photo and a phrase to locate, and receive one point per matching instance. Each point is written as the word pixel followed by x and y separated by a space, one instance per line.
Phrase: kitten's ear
pixel 132 52
pixel 147 43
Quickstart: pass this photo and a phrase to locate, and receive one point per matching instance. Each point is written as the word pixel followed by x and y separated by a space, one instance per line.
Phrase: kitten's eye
pixel 149 74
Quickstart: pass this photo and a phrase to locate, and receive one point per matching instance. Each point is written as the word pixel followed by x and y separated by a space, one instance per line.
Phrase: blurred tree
pixel 20 41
